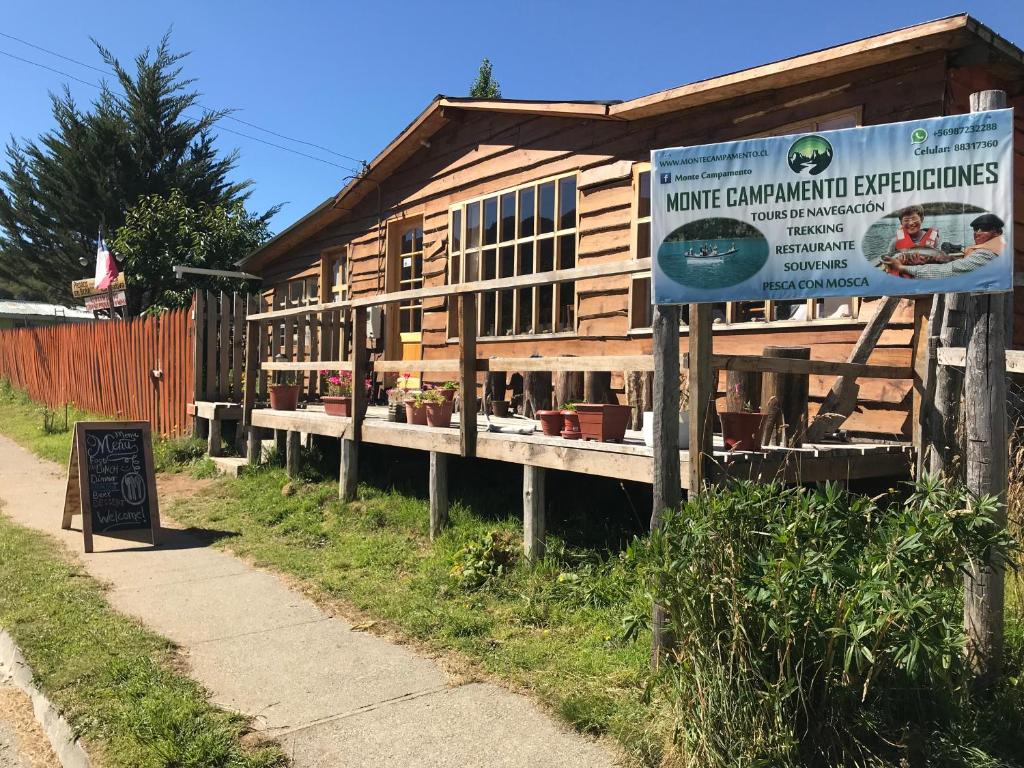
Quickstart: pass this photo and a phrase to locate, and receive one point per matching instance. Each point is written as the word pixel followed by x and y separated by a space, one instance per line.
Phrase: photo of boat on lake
pixel 934 240
pixel 712 253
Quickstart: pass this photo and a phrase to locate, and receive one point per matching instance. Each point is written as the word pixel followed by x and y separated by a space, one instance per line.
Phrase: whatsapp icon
pixel 918 136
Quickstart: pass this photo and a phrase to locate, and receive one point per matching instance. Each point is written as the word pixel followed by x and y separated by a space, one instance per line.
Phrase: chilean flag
pixel 106 269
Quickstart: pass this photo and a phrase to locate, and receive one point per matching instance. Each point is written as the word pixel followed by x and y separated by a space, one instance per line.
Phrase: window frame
pixel 329 289
pixel 732 308
pixel 457 261
pixel 396 232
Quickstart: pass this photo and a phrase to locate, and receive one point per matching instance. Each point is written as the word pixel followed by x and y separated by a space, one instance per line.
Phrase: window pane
pixel 526 201
pixel 545 297
pixel 407 241
pixel 643 240
pixel 455 233
pixel 643 209
pixel 487 314
pixel 546 212
pixel 489 267
pixel 545 255
pixel 454 275
pixel 525 298
pixel 507 267
pixel 472 267
pixel 567 251
pixel 567 203
pixel 473 225
pixel 525 259
pixel 567 307
pixel 508 216
pixel 417 237
pixel 490 221
pixel 505 326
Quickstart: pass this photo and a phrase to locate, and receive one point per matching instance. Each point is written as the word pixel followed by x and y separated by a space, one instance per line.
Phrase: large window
pixel 519 231
pixel 733 312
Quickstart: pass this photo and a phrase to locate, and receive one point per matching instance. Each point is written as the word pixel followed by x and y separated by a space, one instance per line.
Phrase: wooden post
pixel 496 386
pixel 639 386
pixel 568 387
pixel 253 445
pixel 467 374
pixel 742 388
pixel 281 444
pixel 597 387
pixel 213 441
pixel 198 326
pixel 533 512
pixel 253 334
pixel 348 471
pixel 919 363
pixel 536 392
pixel 949 382
pixel 986 457
pixel 438 493
pixel 790 389
pixel 293 452
pixel 702 390
pixel 666 474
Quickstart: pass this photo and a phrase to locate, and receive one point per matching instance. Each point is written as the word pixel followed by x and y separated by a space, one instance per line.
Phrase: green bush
pixel 177 453
pixel 485 559
pixel 817 628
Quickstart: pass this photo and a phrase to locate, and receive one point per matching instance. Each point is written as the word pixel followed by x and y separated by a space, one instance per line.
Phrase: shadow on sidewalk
pixel 170 538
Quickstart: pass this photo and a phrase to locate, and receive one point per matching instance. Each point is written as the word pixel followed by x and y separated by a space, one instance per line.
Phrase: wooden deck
pixel 630 460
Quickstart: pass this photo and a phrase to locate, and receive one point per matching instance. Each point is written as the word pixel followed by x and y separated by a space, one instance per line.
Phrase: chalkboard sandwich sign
pixel 111 481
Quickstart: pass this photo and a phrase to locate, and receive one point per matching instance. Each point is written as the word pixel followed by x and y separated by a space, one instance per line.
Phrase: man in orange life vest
pixel 911 233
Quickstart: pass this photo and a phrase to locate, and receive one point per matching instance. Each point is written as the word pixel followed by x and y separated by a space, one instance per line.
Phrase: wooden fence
pixel 138 369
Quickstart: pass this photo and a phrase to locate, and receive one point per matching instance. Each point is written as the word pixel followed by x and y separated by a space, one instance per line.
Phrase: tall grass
pixel 821 628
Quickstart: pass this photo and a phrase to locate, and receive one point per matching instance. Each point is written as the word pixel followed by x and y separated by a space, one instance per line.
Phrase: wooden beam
pixel 467 374
pixel 821 367
pixel 438 493
pixel 348 474
pixel 702 390
pixel 841 401
pixel 293 452
pixel 919 358
pixel 666 471
pixel 533 512
pixel 321 365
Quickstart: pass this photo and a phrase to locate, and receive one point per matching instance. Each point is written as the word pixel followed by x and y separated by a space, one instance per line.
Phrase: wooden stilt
pixel 533 512
pixel 702 392
pixel 790 389
pixel 568 387
pixel 438 493
pixel 293 451
pixel 254 445
pixel 597 387
pixel 348 471
pixel 213 447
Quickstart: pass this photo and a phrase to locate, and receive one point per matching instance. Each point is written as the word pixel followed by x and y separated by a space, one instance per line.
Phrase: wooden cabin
pixel 486 189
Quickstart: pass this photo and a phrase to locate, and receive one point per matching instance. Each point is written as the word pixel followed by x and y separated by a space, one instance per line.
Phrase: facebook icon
pixel 666 178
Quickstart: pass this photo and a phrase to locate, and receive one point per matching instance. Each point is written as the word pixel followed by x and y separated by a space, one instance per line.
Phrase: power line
pixel 207 109
pixel 221 127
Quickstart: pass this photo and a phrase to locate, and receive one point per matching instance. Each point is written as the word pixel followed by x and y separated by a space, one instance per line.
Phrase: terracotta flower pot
pixel 741 431
pixel 284 397
pixel 499 408
pixel 550 422
pixel 571 423
pixel 571 434
pixel 439 414
pixel 415 415
pixel 604 423
pixel 449 394
pixel 336 405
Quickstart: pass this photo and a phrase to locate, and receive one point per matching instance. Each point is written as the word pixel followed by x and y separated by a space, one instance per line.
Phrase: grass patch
pixel 555 628
pixel 112 678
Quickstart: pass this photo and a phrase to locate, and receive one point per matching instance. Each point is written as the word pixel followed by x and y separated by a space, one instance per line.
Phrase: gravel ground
pixel 22 743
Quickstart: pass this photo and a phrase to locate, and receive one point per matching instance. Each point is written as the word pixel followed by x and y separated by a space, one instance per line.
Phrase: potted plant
pixel 416 409
pixel 284 393
pixel 448 390
pixel 741 430
pixel 396 406
pixel 603 422
pixel 550 422
pixel 570 422
pixel 438 407
pixel 338 400
pixel 499 408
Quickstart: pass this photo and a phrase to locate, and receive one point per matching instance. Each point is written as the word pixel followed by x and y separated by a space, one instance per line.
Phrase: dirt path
pixel 335 697
pixel 22 742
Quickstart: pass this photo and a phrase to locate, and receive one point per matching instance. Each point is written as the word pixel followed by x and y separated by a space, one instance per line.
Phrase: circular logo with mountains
pixel 810 155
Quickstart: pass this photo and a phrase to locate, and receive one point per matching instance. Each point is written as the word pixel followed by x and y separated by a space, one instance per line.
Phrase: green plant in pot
pixel 284 391
pixel 438 408
pixel 338 400
pixel 741 430
pixel 449 390
pixel 416 408
pixel 570 421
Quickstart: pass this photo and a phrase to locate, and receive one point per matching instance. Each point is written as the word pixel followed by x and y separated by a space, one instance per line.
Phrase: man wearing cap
pixel 988 244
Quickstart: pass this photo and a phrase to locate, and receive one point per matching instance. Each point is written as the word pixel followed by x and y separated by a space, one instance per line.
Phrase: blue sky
pixel 349 76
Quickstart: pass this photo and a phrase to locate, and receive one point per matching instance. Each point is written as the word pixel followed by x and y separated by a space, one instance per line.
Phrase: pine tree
pixel 485 86
pixel 97 163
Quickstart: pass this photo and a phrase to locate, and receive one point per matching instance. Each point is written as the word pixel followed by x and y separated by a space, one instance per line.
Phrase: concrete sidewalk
pixel 334 697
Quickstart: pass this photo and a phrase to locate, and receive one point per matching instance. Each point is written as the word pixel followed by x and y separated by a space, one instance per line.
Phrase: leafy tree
pixel 98 162
pixel 160 232
pixel 485 86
